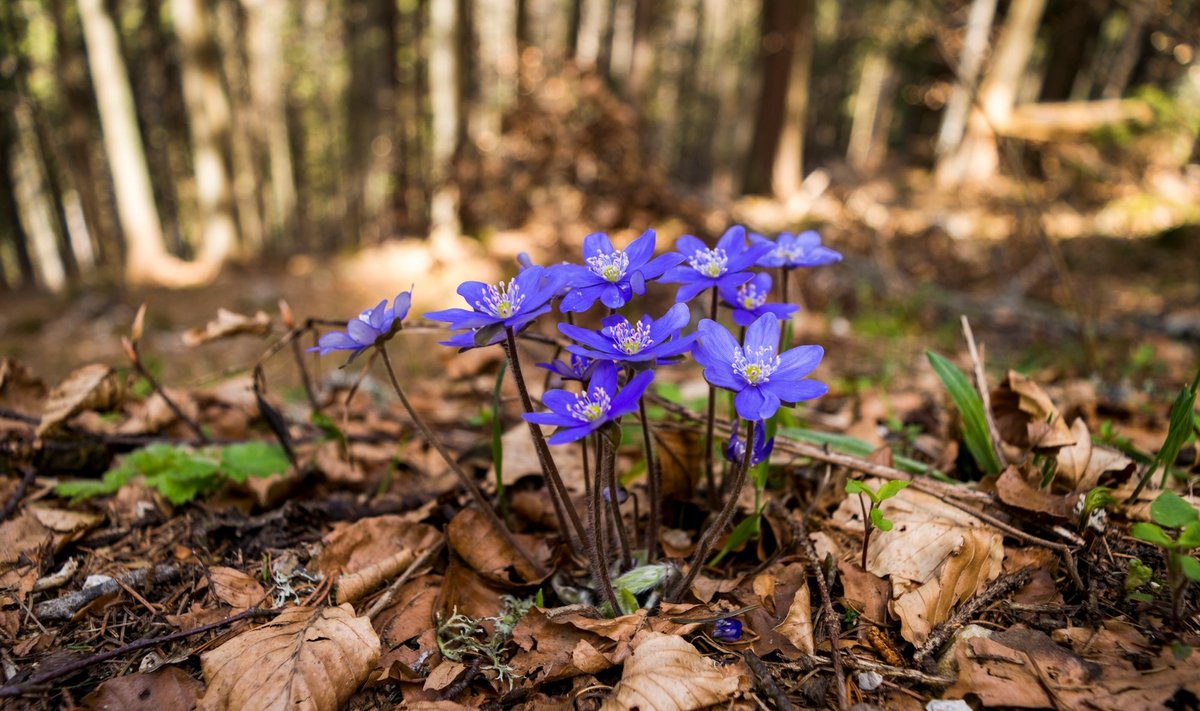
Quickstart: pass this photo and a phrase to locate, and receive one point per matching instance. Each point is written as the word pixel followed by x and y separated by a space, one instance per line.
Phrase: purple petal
pixel 671 322
pixel 641 249
pixel 337 340
pixel 763 333
pixel 611 296
pixel 689 245
pixel 566 435
pixel 795 363
pixel 655 267
pixel 626 401
pixel 689 291
pixel 585 336
pixel 362 332
pixel 580 300
pixel 795 390
pixel 753 403
pixel 733 241
pixel 402 304
pixel 597 242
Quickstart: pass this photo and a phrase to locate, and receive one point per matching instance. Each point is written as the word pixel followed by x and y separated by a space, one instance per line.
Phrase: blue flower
pixel 721 266
pixel 727 630
pixel 749 300
pixel 647 340
pixel 578 414
pixel 613 275
pixel 497 307
pixel 791 250
pixel 372 326
pixel 580 368
pixel 760 378
pixel 736 449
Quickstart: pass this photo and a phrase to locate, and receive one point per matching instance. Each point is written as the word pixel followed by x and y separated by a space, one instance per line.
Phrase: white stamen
pixel 610 267
pixel 502 300
pixel 755 368
pixel 590 407
pixel 709 262
pixel 631 339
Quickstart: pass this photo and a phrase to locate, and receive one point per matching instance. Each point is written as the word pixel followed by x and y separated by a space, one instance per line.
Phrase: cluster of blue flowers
pixel 761 376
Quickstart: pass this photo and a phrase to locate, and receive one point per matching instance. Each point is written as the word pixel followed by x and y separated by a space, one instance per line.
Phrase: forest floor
pixel 357 575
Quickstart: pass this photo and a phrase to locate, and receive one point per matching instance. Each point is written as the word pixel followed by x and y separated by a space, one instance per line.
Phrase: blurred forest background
pixel 155 142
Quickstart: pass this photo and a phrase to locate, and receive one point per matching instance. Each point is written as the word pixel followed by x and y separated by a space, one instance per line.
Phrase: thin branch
pixel 831 619
pixel 982 386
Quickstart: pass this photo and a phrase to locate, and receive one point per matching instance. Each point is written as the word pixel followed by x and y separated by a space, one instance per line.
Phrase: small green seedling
pixel 1179 431
pixel 1137 575
pixel 1170 510
pixel 873 516
pixel 1093 508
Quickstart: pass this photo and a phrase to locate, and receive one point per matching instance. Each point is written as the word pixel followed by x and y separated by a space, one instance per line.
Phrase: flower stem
pixel 573 531
pixel 610 440
pixel 708 427
pixel 587 476
pixel 599 556
pixel 463 477
pixel 866 528
pixel 709 537
pixel 654 486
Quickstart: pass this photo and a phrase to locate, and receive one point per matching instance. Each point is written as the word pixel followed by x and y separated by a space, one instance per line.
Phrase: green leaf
pixel 1190 567
pixel 1190 536
pixel 627 601
pixel 1180 428
pixel 1170 510
pixel 1137 575
pixel 328 427
pixel 1099 497
pixel 741 533
pixel 975 432
pixel 890 489
pixel 1150 533
pixel 881 522
pixel 854 486
pixel 253 459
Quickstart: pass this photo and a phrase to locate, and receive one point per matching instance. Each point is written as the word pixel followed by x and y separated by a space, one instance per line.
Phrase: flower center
pixel 610 267
pixel 750 296
pixel 631 339
pixel 709 262
pixel 502 300
pixel 755 368
pixel 590 407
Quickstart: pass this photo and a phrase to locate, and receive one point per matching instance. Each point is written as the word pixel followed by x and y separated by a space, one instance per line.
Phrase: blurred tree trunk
pixel 78 137
pixel 446 112
pixel 33 201
pixel 788 167
pixel 872 112
pixel 970 64
pixel 1129 50
pixel 1080 22
pixel 12 226
pixel 779 26
pixel 574 19
pixel 248 183
pixel 268 97
pixel 977 158
pixel 209 116
pixel 146 260
pixel 159 103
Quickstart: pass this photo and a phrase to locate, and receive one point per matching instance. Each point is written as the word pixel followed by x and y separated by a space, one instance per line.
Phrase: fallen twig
pixel 766 682
pixel 831 619
pixel 65 607
pixel 37 680
pixel 1003 585
pixel 15 500
pixel 982 386
pixel 862 664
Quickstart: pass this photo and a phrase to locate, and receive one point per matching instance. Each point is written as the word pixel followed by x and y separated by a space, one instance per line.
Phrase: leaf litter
pixel 372 583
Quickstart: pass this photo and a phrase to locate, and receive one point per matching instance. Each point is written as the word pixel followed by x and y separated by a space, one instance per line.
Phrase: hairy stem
pixel 573 531
pixel 599 557
pixel 609 441
pixel 464 478
pixel 709 537
pixel 866 528
pixel 709 481
pixel 654 486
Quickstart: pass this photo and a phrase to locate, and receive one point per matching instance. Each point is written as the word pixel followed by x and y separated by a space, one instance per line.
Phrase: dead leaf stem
pixel 831 619
pixel 766 682
pixel 984 396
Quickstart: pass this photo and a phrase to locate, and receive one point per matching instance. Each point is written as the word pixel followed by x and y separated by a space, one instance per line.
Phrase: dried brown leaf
pixel 92 387
pixel 163 688
pixel 235 588
pixel 20 392
pixel 305 659
pixel 226 325
pixel 970 566
pixel 471 535
pixel 666 673
pixel 1026 416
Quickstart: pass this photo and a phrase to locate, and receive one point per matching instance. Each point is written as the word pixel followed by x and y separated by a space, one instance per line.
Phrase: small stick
pixel 766 682
pixel 63 608
pixel 36 680
pixel 27 476
pixel 386 598
pixel 1003 585
pixel 982 387
pixel 135 357
pixel 831 620
pixel 863 664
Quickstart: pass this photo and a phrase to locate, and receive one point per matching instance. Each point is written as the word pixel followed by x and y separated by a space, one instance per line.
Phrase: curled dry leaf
pixel 472 537
pixel 163 688
pixel 306 659
pixel 1026 416
pixel 235 588
pixel 1081 465
pixel 92 387
pixel 1014 490
pixel 226 325
pixel 666 673
pixel 363 554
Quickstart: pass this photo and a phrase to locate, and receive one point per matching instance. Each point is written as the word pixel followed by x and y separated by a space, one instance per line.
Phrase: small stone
pixel 948 705
pixel 869 680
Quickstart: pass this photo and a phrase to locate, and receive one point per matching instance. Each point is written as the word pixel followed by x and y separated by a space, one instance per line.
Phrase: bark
pixel 872 112
pixel 209 116
pixel 246 177
pixel 779 31
pixel 8 193
pixel 970 63
pixel 788 171
pixel 1080 22
pixel 158 99
pixel 574 19
pixel 446 111
pixel 1129 51
pixel 34 209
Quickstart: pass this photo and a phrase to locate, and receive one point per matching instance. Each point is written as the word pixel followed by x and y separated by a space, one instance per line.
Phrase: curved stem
pixel 599 554
pixel 709 481
pixel 574 532
pixel 654 485
pixel 609 442
pixel 467 482
pixel 719 523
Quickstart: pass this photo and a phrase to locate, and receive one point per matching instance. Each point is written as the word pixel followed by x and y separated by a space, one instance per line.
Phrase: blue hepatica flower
pixel 579 369
pixel 728 629
pixel 760 377
pixel 613 275
pixel 375 325
pixel 722 266
pixel 495 307
pixel 791 250
pixel 736 449
pixel 749 300
pixel 579 414
pixel 646 340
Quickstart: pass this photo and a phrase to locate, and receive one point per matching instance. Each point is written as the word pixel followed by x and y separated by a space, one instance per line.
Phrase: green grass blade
pixel 970 406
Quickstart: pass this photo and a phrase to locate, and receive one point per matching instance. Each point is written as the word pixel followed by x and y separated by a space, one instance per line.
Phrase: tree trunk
pixel 977 158
pixel 1078 21
pixel 445 109
pixel 970 64
pixel 1128 51
pixel 209 115
pixel 34 209
pixel 779 30
pixel 244 148
pixel 872 112
pixel 788 170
